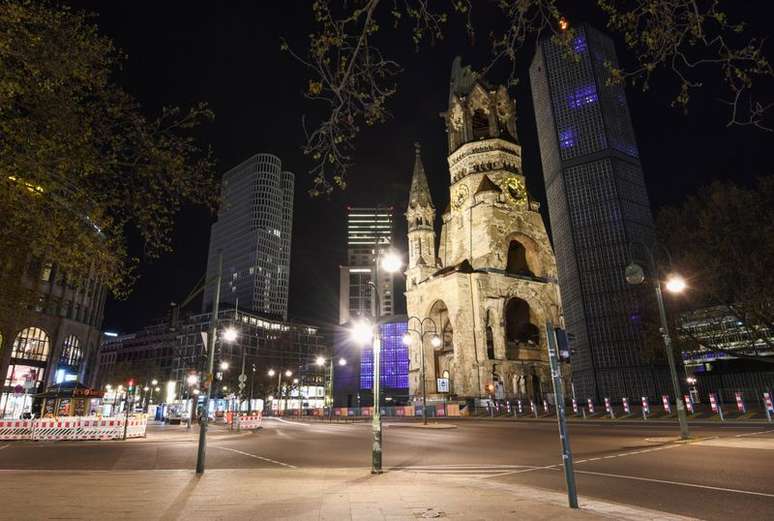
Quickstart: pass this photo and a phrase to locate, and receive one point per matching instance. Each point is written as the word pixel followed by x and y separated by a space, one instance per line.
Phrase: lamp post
pixel 435 340
pixel 320 362
pixel 365 332
pixel 279 374
pixel 635 275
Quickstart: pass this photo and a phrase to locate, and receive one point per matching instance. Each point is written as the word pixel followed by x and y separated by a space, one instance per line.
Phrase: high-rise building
pixel 598 206
pixel 369 234
pixel 253 232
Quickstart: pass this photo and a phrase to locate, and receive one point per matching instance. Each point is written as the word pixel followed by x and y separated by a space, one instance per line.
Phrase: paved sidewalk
pixel 284 495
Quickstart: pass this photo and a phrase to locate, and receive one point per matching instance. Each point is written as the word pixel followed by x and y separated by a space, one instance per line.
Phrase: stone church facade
pixel 491 285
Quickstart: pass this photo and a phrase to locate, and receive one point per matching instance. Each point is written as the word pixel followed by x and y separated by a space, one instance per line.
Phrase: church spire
pixel 420 191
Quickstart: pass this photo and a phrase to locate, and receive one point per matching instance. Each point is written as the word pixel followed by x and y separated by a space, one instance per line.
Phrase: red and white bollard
pixel 626 407
pixel 667 405
pixel 609 408
pixel 716 408
pixel 575 406
pixel 768 406
pixel 645 408
pixel 688 403
pixel 740 403
pixel 591 405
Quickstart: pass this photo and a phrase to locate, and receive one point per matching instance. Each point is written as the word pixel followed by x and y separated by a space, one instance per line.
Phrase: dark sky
pixel 228 54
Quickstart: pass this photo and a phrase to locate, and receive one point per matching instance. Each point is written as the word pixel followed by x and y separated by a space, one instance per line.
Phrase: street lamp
pixel 320 362
pixel 391 262
pixel 230 334
pixel 435 341
pixel 635 275
pixel 223 366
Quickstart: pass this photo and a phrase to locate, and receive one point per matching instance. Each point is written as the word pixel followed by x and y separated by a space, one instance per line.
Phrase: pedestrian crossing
pixel 469 470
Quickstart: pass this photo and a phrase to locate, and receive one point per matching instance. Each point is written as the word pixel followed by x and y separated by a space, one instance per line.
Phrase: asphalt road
pixel 728 474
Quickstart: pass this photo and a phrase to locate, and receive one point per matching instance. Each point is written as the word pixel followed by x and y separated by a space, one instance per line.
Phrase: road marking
pixel 288 465
pixel 5 446
pixel 469 470
pixel 753 433
pixel 680 483
pixel 288 422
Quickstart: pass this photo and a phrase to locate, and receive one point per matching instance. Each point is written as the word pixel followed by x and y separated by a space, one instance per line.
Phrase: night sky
pixel 228 54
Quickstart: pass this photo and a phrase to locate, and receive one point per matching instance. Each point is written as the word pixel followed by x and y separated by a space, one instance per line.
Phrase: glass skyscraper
pixel 253 232
pixel 369 231
pixel 598 206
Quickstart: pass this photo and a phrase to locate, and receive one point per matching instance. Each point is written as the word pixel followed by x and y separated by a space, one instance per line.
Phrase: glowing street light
pixel 224 366
pixel 154 382
pixel 320 361
pixel 230 334
pixel 675 284
pixel 342 362
pixel 288 373
pixel 391 262
pixel 271 372
pixel 362 332
pixel 192 379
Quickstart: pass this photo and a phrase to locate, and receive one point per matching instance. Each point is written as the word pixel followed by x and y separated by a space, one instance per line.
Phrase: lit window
pixel 32 344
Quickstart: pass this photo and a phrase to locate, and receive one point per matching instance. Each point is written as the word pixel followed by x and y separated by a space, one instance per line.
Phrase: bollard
pixel 688 403
pixel 717 409
pixel 740 403
pixel 767 406
pixel 609 409
pixel 626 407
pixel 645 408
pixel 575 406
pixel 546 408
pixel 667 405
pixel 591 406
pixel 518 404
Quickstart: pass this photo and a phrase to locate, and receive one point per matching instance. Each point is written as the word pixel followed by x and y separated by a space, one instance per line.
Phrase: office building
pixel 598 207
pixel 253 232
pixel 369 234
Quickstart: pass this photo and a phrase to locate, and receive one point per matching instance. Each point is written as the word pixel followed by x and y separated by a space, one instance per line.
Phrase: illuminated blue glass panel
pixel 583 96
pixel 395 359
pixel 567 138
pixel 579 44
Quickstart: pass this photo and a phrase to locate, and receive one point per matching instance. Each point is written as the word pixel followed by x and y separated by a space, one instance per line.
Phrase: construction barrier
pixel 250 421
pixel 73 428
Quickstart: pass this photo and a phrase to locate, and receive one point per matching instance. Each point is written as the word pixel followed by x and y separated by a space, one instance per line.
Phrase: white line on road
pixel 4 446
pixel 288 422
pixel 753 433
pixel 288 465
pixel 680 483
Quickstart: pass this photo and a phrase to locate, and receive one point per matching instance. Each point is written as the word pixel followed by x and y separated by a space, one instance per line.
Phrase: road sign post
pixel 556 376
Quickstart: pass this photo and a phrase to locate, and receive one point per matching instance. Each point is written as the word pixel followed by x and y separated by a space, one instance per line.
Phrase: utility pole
pixel 556 375
pixel 201 453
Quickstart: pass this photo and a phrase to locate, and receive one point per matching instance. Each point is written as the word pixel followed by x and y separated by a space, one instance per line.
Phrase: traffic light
pixel 130 385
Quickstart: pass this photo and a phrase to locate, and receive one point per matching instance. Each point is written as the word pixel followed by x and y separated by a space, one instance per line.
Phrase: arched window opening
pixel 31 344
pixel 71 351
pixel 517 260
pixel 520 333
pixel 480 125
pixel 490 354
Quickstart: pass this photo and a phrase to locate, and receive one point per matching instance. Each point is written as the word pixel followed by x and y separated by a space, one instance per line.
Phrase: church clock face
pixel 460 196
pixel 515 189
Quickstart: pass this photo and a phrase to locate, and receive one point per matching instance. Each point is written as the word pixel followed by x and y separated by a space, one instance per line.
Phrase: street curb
pixel 421 425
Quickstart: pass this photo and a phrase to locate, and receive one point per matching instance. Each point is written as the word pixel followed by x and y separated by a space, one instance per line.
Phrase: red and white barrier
pixel 73 428
pixel 15 429
pixel 252 421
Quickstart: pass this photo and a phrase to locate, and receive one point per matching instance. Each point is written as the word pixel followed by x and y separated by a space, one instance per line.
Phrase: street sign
pixel 443 385
pixel 242 378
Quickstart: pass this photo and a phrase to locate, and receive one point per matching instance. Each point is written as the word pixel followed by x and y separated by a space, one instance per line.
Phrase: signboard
pixel 443 385
pixel 688 403
pixel 626 407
